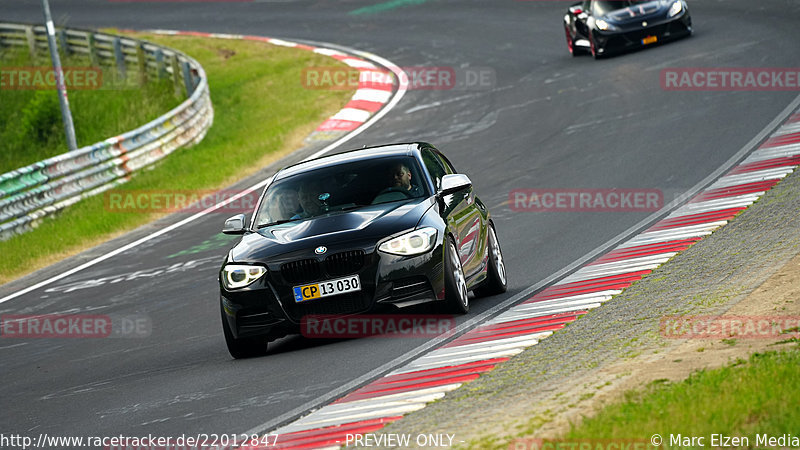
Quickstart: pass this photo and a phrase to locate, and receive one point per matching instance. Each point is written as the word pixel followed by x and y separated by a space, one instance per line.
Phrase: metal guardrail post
pixel 187 77
pixel 31 38
pixel 142 62
pixel 119 57
pixel 91 44
pixel 62 42
pixel 161 68
pixel 176 77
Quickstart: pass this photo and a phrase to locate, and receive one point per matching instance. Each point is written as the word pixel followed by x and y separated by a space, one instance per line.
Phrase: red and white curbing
pixel 431 376
pixel 375 88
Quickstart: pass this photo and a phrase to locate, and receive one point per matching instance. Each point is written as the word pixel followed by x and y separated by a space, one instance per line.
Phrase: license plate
pixel 327 288
pixel 649 40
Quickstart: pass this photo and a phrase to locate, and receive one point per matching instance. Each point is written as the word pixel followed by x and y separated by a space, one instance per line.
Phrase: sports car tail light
pixel 344 263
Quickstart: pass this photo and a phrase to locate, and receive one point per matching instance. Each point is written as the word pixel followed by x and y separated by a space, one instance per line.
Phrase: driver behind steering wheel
pixel 400 180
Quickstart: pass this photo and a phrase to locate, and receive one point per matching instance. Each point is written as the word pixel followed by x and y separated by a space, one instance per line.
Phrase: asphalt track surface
pixel 549 121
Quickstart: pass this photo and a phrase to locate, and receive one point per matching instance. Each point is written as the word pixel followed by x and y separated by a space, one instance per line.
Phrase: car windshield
pixel 342 187
pixel 603 7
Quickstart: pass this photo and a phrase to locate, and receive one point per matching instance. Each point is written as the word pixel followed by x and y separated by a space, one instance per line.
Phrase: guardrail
pixel 32 192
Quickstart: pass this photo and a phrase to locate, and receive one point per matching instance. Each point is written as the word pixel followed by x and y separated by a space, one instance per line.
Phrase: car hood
pixel 638 12
pixel 370 223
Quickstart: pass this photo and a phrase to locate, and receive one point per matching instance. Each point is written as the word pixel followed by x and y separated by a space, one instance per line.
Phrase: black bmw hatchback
pixel 381 227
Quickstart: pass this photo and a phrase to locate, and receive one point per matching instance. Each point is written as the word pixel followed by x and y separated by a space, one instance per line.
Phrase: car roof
pixel 379 151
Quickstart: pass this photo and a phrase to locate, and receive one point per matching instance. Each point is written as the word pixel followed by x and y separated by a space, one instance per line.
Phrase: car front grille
pixel 336 265
pixel 302 271
pixel 344 263
pixel 307 271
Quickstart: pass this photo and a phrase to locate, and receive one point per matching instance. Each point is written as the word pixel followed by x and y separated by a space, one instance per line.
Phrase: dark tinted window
pixel 435 167
pixel 448 166
pixel 342 187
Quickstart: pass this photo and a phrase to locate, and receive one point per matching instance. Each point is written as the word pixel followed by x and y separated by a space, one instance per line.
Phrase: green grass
pixel 758 396
pixel 744 399
pixel 261 111
pixel 30 120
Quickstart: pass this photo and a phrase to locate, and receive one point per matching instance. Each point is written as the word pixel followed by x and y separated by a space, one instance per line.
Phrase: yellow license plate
pixel 327 288
pixel 649 40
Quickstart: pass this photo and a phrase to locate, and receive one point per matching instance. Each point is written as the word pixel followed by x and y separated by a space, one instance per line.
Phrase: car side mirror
pixel 453 183
pixel 234 225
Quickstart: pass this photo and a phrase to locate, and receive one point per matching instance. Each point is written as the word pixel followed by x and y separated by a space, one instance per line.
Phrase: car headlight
pixel 676 8
pixel 412 243
pixel 236 276
pixel 603 25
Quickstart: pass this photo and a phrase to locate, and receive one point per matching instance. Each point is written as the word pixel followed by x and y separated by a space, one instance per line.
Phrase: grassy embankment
pixel 30 120
pixel 262 111
pixel 757 396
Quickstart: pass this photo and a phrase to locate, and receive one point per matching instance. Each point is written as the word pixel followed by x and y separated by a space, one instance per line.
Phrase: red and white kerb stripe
pixel 374 90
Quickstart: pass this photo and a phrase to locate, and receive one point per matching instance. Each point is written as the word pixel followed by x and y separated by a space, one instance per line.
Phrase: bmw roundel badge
pixel 320 250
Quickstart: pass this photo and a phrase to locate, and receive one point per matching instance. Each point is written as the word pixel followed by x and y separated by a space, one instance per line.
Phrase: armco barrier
pixel 32 192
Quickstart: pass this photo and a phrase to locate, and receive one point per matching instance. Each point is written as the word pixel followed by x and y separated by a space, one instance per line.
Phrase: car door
pixel 461 213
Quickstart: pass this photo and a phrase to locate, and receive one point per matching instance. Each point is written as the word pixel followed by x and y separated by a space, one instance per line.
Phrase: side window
pixel 435 167
pixel 448 166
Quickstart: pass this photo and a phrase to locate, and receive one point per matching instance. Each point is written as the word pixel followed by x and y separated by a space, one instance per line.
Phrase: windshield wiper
pixel 350 208
pixel 278 222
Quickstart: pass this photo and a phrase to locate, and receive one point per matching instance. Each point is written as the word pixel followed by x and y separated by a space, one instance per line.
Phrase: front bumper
pixel 268 308
pixel 607 42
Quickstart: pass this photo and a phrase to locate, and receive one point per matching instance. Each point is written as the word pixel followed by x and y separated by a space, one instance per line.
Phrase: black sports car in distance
pixel 381 227
pixel 602 27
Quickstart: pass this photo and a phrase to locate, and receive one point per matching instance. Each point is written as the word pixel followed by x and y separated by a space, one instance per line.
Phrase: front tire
pixel 570 41
pixel 242 347
pixel 496 281
pixel 455 285
pixel 593 47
